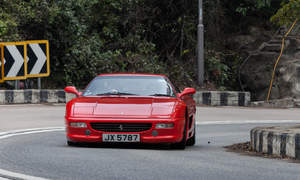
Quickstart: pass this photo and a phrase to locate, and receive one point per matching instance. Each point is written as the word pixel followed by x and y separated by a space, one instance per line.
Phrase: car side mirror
pixel 73 90
pixel 187 91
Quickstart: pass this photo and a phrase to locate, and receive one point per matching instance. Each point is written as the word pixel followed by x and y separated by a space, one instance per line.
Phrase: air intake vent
pixel 121 127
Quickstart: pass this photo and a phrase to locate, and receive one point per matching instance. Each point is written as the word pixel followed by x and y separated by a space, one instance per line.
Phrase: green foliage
pixel 247 6
pixel 90 37
pixel 7 27
pixel 288 13
pixel 3 28
pixel 222 69
pixel 217 70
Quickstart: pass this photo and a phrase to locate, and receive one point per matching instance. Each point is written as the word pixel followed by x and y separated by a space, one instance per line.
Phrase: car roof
pixel 131 74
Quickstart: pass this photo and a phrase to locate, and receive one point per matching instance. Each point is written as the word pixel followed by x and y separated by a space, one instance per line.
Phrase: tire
pixel 181 145
pixel 192 140
pixel 73 144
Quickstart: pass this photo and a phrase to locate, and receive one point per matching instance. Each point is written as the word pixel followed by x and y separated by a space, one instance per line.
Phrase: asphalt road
pixel 47 155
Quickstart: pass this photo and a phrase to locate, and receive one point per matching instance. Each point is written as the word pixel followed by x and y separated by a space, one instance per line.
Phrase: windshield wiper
pixel 115 93
pixel 161 95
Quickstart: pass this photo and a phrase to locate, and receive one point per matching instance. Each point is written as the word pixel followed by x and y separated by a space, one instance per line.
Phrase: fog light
pixel 154 133
pixel 78 124
pixel 164 125
pixel 87 132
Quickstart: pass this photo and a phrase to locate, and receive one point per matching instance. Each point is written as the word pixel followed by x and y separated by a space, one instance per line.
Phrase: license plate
pixel 120 137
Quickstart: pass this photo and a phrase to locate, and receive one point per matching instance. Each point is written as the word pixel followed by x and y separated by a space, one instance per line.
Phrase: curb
pixel 278 141
pixel 222 98
pixel 277 103
pixel 35 96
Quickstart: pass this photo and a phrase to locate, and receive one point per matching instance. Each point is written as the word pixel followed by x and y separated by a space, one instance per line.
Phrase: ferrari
pixel 131 108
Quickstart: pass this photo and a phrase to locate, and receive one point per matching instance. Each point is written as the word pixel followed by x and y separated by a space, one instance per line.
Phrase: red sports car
pixel 139 108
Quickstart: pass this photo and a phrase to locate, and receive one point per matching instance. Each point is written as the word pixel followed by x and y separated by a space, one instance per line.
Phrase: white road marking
pixel 13 175
pixel 247 122
pixel 8 134
pixel 4 135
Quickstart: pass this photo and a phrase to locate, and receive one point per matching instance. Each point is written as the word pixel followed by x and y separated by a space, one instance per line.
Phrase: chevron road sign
pixel 14 61
pixel 1 70
pixel 21 60
pixel 38 59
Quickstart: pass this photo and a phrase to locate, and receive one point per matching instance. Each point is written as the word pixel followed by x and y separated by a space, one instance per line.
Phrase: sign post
pixel 39 83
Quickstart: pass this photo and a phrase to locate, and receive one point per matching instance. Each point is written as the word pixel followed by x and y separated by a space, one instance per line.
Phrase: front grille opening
pixel 121 127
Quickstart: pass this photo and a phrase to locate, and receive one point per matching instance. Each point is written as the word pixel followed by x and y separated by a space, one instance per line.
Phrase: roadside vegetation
pixel 159 36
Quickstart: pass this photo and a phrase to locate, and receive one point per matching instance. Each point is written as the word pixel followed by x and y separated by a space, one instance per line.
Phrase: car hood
pixel 139 107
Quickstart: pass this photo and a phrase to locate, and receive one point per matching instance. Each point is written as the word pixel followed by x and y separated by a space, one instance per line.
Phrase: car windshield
pixel 129 85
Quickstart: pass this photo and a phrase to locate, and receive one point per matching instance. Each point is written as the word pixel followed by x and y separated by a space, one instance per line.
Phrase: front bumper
pixel 167 135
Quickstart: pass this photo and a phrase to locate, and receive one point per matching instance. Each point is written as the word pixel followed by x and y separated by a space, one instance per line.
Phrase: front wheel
pixel 182 143
pixel 192 140
pixel 70 143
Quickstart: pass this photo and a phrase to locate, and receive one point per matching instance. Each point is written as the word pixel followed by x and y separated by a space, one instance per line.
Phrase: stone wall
pixel 256 71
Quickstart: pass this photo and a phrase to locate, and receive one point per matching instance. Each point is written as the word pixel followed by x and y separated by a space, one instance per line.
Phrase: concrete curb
pixel 34 96
pixel 279 141
pixel 222 98
pixel 277 103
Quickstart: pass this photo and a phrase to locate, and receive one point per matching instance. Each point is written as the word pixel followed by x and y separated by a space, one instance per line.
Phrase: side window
pixel 173 85
pixel 177 89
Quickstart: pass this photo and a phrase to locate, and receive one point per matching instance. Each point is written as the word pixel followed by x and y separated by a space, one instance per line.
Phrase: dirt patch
pixel 240 147
pixel 245 149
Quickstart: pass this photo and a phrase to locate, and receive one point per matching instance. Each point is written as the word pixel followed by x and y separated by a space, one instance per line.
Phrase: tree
pixel 288 13
pixel 158 36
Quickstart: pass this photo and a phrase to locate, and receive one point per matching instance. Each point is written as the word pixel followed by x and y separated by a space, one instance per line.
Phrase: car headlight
pixel 78 124
pixel 164 125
